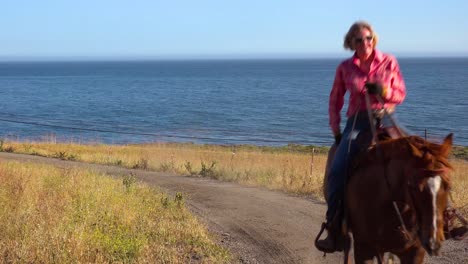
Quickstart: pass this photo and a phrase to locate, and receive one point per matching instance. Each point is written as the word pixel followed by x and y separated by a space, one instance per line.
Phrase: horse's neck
pixel 387 175
pixel 395 176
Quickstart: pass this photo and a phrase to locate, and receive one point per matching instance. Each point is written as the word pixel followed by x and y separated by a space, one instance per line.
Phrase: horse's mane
pixel 434 149
pixel 406 148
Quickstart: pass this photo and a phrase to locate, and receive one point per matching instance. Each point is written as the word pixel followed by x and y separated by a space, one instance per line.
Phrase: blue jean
pixel 361 138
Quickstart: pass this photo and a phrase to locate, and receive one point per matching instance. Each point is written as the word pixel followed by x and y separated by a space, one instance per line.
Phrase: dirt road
pixel 257 225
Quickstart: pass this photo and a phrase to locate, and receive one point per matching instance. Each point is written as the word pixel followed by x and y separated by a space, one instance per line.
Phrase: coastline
pixel 458 151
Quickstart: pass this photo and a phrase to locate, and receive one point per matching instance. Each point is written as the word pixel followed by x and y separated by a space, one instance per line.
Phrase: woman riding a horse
pixel 367 72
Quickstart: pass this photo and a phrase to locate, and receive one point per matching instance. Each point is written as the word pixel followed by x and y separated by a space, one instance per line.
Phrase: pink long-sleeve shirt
pixel 349 77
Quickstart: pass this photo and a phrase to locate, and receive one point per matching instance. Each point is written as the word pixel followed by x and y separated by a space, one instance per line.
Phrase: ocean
pixel 260 102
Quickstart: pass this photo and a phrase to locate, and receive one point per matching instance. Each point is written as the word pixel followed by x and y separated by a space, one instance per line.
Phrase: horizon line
pixel 206 57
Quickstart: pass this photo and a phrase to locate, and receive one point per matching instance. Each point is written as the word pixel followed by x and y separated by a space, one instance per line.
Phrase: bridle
pixel 380 154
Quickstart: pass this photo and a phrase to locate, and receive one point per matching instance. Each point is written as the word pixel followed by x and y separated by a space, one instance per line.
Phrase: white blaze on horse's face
pixel 434 187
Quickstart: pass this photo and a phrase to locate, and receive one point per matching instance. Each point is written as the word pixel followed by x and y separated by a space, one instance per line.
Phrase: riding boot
pixel 334 240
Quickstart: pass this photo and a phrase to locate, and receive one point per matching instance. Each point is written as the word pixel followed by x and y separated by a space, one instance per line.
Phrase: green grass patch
pixel 52 215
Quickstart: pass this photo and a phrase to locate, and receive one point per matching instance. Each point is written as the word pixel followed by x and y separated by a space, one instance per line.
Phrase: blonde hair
pixel 353 30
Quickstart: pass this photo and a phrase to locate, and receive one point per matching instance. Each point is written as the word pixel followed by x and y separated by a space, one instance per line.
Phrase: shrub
pixel 9 149
pixel 129 180
pixel 208 171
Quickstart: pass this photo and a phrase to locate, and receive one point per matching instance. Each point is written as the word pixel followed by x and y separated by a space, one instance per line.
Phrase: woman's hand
pixel 337 139
pixel 375 88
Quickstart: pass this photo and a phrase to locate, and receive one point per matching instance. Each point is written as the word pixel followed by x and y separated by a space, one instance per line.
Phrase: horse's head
pixel 429 183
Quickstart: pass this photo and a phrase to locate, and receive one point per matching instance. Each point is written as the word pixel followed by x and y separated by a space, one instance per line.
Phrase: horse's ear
pixel 416 152
pixel 447 145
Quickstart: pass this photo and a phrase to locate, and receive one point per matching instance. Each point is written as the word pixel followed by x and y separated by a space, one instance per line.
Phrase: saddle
pixel 386 132
pixel 391 132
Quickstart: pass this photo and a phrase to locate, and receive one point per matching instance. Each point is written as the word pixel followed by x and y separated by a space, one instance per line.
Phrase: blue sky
pixel 225 29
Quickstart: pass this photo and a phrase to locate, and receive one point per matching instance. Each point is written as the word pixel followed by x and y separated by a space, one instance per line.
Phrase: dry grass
pixel 278 169
pixel 52 215
pixel 460 185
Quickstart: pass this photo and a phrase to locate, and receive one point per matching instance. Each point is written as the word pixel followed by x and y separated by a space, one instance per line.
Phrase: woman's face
pixel 364 43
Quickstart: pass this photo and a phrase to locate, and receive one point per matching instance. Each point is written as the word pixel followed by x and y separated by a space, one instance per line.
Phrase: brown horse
pixel 410 174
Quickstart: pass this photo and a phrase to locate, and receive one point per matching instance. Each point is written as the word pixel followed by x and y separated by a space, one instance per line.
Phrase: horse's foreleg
pixel 347 249
pixel 364 253
pixel 414 255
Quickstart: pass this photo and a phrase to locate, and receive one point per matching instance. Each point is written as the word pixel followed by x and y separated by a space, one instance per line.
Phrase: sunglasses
pixel 367 38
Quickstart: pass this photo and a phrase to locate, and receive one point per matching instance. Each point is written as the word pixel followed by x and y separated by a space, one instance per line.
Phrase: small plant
pixel 72 157
pixel 179 199
pixel 165 201
pixel 1 144
pixel 61 155
pixel 188 167
pixel 118 162
pixel 208 171
pixel 129 180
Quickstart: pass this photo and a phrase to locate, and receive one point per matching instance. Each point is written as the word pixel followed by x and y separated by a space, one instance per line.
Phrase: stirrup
pixel 324 226
pixel 324 250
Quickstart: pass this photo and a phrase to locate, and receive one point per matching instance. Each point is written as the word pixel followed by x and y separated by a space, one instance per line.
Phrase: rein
pixel 381 155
